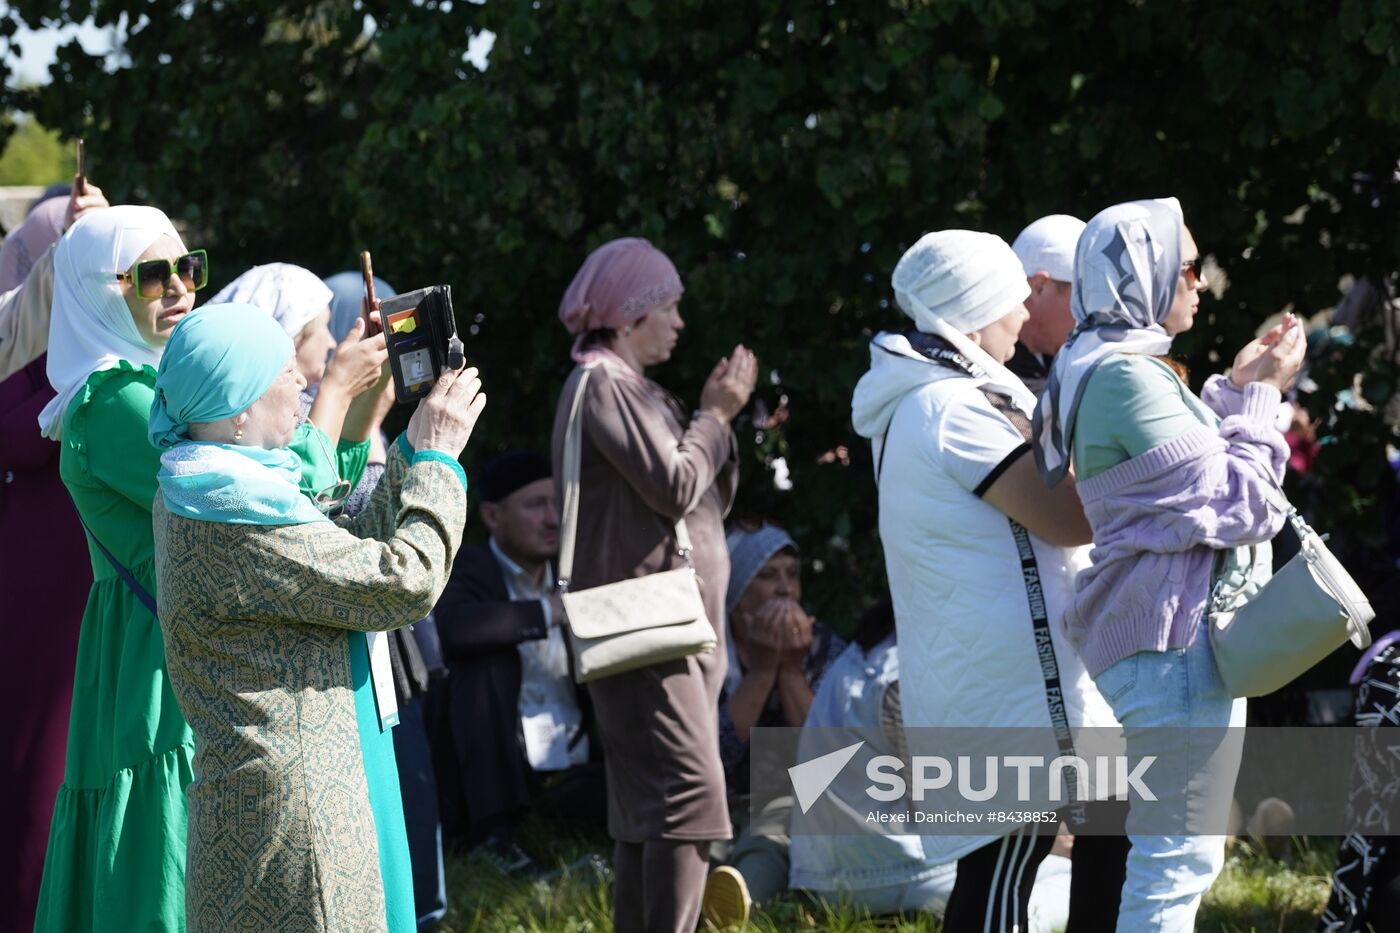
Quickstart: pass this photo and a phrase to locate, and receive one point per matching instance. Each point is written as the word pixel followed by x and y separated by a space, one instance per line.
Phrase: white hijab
pixel 291 294
pixel 92 328
pixel 1126 269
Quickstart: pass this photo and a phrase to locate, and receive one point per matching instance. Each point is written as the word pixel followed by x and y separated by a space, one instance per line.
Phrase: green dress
pixel 295 820
pixel 116 852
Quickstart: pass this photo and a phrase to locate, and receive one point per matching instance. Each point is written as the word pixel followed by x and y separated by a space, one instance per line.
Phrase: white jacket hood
pixel 896 369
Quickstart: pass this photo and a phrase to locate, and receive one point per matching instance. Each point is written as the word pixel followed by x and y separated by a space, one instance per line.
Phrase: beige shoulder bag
pixel 633 623
pixel 1304 613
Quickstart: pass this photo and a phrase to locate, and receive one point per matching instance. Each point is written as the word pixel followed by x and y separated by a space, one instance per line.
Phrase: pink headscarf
pixel 27 242
pixel 619 282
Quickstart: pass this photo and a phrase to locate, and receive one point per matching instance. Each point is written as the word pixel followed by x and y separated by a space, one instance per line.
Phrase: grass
pixel 1254 894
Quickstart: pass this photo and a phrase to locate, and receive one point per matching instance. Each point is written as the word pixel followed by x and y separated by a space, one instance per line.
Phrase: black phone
pixel 420 331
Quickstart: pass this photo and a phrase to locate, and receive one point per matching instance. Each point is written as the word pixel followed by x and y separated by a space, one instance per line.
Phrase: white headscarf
pixel 1126 269
pixel 954 282
pixel 291 294
pixel 92 328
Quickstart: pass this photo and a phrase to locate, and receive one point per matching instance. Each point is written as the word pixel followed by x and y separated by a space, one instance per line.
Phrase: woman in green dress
pixel 266 605
pixel 116 851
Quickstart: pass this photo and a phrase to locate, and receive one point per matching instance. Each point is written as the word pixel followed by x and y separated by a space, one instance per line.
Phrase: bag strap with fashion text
pixel 1049 663
pixel 573 459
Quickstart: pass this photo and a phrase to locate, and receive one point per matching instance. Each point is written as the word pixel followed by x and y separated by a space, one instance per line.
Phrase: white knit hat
pixel 1047 245
pixel 963 278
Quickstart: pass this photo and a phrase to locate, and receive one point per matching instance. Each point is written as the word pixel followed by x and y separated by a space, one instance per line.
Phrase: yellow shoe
pixel 727 903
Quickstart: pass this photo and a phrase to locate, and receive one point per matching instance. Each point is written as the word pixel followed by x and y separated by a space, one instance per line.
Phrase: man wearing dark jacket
pixel 510 725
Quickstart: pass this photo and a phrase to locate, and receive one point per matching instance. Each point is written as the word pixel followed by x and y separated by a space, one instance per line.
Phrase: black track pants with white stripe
pixel 993 890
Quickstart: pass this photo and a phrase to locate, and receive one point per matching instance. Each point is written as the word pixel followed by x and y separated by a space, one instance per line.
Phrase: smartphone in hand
pixel 367 270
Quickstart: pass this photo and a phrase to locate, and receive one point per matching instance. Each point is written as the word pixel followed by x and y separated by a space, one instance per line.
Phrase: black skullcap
pixel 507 472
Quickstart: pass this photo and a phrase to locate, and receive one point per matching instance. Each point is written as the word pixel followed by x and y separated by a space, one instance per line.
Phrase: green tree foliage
pixel 34 156
pixel 784 154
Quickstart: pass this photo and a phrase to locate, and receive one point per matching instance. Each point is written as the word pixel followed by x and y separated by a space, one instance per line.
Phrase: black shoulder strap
pixel 139 591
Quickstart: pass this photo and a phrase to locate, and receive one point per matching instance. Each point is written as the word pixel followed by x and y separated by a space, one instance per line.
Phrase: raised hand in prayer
pixel 1274 358
pixel 764 639
pixel 796 628
pixel 730 384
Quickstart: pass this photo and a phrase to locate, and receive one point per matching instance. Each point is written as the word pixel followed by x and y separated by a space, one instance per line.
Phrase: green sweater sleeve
pixel 318 472
pixel 1130 405
pixel 352 457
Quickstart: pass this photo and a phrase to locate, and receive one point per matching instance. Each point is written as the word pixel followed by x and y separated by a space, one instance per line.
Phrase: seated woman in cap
pixel 981 558
pixel 294 819
pixel 778 655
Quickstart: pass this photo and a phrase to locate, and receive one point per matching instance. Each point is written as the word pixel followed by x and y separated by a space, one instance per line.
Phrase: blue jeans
pixel 1170 866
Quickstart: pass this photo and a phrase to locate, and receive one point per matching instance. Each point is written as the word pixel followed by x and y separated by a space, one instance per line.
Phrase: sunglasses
pixel 149 278
pixel 330 500
pixel 1193 267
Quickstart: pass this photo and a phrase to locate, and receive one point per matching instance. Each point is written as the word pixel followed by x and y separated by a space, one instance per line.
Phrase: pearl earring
pixel 627 331
pixel 238 434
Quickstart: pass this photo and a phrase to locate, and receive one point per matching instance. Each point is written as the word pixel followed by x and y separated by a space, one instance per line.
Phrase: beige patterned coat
pixel 281 836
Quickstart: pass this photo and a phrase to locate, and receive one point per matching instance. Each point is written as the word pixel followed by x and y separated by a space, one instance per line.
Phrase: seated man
pixel 777 657
pixel 510 725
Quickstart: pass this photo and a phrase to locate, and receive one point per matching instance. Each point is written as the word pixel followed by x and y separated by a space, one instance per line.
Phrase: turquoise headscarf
pixel 220 360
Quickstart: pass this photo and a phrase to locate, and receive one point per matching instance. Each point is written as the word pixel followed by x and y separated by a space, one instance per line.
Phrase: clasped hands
pixel 779 635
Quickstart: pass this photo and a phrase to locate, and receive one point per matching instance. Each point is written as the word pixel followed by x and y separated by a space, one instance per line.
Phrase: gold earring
pixel 238 434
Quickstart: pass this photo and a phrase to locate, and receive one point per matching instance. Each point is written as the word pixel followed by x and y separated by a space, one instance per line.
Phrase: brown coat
pixel 646 463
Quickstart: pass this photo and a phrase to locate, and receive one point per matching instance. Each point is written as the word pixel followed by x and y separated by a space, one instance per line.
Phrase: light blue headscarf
pixel 220 360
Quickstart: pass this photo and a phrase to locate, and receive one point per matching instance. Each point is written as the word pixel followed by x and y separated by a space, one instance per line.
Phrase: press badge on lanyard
pixel 381 676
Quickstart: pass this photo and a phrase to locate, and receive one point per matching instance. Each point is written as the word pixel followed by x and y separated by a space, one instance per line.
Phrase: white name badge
pixel 381 676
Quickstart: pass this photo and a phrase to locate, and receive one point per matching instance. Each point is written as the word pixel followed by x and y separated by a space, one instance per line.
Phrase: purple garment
pixel 27 242
pixel 1158 519
pixel 46 577
pixel 1358 673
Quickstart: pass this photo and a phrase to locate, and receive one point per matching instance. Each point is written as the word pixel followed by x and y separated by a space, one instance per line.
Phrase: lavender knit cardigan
pixel 1158 518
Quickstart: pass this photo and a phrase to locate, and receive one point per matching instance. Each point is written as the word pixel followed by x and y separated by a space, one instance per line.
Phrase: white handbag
pixel 1295 620
pixel 633 623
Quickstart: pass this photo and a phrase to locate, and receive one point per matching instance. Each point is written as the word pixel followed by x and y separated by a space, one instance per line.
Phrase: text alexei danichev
pixel 957 816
